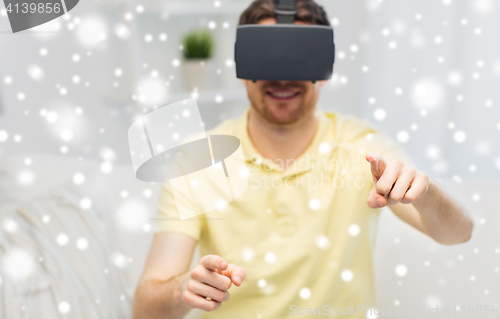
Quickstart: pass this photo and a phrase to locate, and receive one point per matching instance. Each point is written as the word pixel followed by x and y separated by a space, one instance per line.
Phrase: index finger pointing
pixel 377 164
pixel 236 273
pixel 214 262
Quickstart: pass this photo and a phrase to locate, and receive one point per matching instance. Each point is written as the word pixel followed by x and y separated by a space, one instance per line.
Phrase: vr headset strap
pixel 285 11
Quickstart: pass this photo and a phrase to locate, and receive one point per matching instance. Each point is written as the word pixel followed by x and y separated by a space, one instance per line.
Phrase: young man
pixel 302 234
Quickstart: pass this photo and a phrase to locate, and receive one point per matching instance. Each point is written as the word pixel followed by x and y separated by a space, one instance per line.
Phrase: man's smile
pixel 283 94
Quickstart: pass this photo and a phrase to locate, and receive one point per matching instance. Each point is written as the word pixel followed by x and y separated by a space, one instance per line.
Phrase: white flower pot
pixel 200 74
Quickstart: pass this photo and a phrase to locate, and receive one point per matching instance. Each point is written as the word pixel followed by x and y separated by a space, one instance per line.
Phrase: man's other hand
pixel 209 281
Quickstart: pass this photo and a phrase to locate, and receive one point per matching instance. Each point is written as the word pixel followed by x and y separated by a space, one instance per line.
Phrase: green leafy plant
pixel 198 45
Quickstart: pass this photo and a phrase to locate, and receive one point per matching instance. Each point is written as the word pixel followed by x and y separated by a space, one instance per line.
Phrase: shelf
pixel 238 94
pixel 204 97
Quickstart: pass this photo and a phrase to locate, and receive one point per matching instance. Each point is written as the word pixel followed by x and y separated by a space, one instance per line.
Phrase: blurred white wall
pixel 442 57
pixel 446 62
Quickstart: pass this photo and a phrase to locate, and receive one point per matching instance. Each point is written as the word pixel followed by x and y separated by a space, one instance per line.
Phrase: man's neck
pixel 281 143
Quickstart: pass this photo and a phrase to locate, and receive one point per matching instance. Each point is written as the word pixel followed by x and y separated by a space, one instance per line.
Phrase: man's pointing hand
pixel 209 281
pixel 394 182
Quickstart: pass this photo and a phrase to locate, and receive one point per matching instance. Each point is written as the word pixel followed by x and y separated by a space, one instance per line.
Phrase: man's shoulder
pixel 225 127
pixel 349 128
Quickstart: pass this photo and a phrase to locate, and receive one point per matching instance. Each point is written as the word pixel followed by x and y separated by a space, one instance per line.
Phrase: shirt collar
pixel 321 147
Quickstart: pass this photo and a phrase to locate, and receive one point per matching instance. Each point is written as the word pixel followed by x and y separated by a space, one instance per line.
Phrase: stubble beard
pixel 292 116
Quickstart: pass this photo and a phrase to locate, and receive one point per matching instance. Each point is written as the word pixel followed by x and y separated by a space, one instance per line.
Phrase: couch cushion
pixel 56 258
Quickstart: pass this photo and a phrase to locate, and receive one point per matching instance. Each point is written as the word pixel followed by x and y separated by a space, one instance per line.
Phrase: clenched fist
pixel 394 182
pixel 209 281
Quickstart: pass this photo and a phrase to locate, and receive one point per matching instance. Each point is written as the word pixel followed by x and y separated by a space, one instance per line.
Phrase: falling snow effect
pixel 425 70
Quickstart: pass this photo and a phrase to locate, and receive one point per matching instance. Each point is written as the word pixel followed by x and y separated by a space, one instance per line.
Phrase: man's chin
pixel 282 117
pixel 280 113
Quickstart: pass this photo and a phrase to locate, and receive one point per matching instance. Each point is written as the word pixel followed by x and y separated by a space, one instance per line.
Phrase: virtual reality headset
pixel 284 51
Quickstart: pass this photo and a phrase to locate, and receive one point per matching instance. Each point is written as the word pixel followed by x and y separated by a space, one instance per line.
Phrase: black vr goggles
pixel 284 51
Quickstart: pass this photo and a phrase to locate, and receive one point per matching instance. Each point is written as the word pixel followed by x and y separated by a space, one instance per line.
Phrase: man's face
pixel 283 102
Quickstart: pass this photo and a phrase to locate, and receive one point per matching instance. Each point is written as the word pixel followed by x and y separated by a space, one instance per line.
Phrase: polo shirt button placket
pixel 286 226
pixel 285 217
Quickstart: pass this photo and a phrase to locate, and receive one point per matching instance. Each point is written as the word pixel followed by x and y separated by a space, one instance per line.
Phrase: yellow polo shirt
pixel 305 235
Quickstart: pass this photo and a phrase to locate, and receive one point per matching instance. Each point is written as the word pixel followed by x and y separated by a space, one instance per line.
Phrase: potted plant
pixel 199 71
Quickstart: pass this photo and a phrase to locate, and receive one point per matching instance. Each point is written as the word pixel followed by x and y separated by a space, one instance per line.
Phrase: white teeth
pixel 283 94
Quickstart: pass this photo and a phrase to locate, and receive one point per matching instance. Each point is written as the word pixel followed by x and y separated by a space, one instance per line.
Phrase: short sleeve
pixel 168 218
